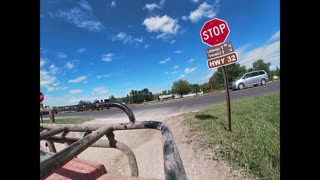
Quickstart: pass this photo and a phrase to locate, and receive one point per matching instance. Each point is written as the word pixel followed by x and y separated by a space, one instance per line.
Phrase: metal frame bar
pixel 111 143
pixel 173 166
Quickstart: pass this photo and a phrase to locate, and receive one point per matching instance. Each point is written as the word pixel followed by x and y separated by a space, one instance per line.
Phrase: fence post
pixel 51 113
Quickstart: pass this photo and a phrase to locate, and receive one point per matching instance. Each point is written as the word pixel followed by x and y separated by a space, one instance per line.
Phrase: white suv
pixel 250 79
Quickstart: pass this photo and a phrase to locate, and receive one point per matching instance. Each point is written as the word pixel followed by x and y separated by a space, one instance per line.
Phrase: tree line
pixel 182 87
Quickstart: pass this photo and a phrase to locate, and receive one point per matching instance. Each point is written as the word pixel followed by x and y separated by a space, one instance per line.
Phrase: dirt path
pixel 147 146
pixel 197 161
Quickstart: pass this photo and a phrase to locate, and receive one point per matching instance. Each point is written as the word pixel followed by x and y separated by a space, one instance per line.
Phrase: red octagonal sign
pixel 214 32
pixel 41 97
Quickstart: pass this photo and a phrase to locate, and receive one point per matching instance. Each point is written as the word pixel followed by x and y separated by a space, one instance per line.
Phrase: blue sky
pixel 92 49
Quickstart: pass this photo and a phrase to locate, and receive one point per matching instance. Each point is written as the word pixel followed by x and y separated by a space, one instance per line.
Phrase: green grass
pixel 253 144
pixel 68 120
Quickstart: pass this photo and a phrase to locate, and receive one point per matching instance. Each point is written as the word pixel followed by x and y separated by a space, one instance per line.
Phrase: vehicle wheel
pixel 263 82
pixel 240 86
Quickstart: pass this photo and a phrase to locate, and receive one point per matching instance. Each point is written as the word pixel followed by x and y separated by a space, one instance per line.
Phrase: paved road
pixel 176 106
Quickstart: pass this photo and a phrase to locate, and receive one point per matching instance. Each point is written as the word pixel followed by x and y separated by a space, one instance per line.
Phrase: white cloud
pixel 189 70
pixel 139 40
pixel 75 91
pixel 152 6
pixel 103 76
pixel 56 83
pixel 175 67
pixel 107 57
pixel 185 18
pixel 81 50
pixel 113 4
pixel 178 51
pixel 269 53
pixel 190 60
pixel 186 71
pixel 127 38
pixel 78 79
pixel 275 36
pixel 50 89
pixel 195 1
pixel 53 69
pixel 121 36
pixel 204 11
pixel 42 62
pixel 69 65
pixel 164 25
pixel 165 60
pixel 84 4
pixel 181 76
pixel 61 55
pixel 46 79
pixel 100 91
pixel 172 41
pixel 49 81
pixel 81 18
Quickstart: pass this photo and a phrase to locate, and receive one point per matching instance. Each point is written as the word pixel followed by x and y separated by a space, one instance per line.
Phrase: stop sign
pixel 41 97
pixel 214 32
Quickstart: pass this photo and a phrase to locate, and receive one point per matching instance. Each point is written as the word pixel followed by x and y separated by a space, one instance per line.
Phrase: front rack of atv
pixel 90 137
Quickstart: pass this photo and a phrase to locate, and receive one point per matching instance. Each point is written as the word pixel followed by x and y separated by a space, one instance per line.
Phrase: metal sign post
pixel 226 86
pixel 220 56
pixel 214 33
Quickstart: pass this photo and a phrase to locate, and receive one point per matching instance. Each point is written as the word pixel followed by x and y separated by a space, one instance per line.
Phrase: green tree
pixel 195 88
pixel 181 87
pixel 136 96
pixel 81 102
pixel 277 73
pixel 119 99
pixel 232 71
pixel 272 74
pixel 216 80
pixel 96 101
pixel 164 92
pixel 141 96
pixel 261 65
pixel 205 87
pixel 250 69
pixel 156 96
pixel 147 96
pixel 112 98
pixel 127 99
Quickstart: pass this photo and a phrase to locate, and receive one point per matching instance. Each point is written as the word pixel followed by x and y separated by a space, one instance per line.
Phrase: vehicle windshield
pixel 239 77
